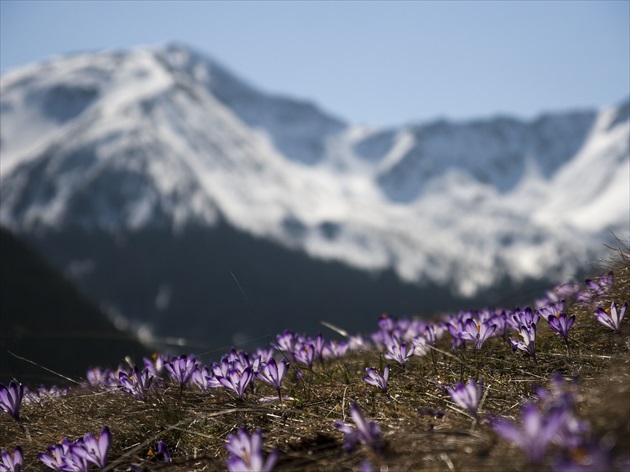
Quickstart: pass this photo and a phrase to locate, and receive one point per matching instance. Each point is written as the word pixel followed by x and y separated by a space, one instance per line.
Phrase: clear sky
pixel 382 63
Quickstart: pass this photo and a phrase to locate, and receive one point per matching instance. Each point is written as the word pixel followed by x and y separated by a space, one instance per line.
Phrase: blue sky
pixel 382 63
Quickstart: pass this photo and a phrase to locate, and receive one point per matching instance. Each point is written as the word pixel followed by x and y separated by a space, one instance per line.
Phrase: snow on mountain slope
pixel 596 182
pixel 165 137
pixel 297 128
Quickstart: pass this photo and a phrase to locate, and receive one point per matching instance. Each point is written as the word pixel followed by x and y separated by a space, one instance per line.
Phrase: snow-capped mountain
pixel 166 138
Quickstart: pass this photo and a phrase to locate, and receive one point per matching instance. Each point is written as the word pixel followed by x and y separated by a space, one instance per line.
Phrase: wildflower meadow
pixel 540 387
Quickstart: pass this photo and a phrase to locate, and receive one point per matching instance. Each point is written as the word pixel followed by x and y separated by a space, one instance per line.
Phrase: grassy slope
pixel 196 424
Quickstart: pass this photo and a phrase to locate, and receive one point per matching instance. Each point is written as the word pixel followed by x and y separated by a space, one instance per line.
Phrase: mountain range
pixel 112 159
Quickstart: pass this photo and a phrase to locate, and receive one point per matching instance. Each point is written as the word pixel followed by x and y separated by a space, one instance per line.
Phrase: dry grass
pixel 195 424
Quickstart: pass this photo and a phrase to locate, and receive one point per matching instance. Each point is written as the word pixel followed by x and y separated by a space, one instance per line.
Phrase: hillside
pixel 45 320
pixel 554 403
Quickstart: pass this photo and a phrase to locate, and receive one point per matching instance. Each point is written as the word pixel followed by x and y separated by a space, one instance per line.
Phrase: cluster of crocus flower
pixel 402 339
pixel 181 369
pixel 246 453
pixel 306 350
pixel 68 456
pixel 525 322
pixel 477 331
pixel 136 383
pixel 12 462
pixel 98 377
pixel 413 332
pixel 43 393
pixel 235 371
pixel 236 379
pixel 552 420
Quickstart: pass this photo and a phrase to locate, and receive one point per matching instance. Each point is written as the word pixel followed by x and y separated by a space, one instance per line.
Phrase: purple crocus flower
pixel 355 343
pixel 246 453
pixel 98 377
pixel 589 457
pixel 366 432
pixel 318 344
pixel 528 344
pixel 12 462
pixel 55 459
pixel 559 293
pixel 11 399
pixel 162 449
pixel 563 395
pixel 286 341
pixel 611 317
pixel 63 457
pixel 181 369
pixel 94 449
pixel 136 384
pixel 432 333
pixel 335 349
pixel 455 325
pixel 366 466
pixel 561 392
pixel 155 365
pixel 386 323
pixel 477 332
pixel 376 378
pixel 524 317
pixel 222 369
pixel 597 288
pixel 42 393
pixel 500 320
pixel 237 380
pixel 538 431
pixel 162 452
pixel 273 373
pixel 397 351
pixel 304 353
pixel 239 359
pixel 467 396
pixel 420 346
pixel 205 379
pixel 561 324
pixel 552 309
pixel 264 354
